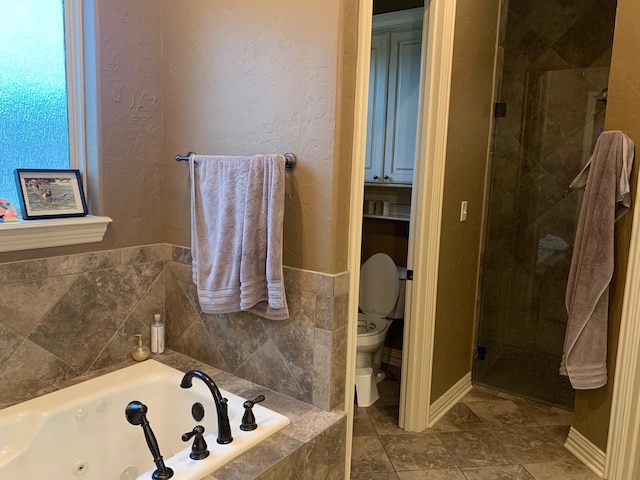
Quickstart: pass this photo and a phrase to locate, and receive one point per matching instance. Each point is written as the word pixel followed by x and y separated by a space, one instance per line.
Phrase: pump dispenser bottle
pixel 157 334
pixel 140 352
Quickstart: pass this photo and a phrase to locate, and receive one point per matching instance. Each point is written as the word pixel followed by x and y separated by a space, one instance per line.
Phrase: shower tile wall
pixel 61 317
pixel 555 59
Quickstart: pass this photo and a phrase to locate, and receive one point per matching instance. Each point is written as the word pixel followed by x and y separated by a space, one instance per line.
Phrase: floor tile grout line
pixel 492 429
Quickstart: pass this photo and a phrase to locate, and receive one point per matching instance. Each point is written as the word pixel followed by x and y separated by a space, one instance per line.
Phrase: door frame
pixel 623 440
pixel 424 236
pixel 426 215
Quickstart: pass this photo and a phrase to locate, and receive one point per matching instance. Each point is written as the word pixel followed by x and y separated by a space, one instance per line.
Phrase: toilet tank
pixel 398 310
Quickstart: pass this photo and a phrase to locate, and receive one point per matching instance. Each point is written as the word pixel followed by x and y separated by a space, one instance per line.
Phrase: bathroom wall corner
pixel 72 315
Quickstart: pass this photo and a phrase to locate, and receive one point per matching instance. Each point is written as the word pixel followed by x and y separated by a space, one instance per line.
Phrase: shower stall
pixel 555 57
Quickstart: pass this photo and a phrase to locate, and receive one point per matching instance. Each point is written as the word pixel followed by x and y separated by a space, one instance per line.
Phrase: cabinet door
pixel 402 106
pixel 377 107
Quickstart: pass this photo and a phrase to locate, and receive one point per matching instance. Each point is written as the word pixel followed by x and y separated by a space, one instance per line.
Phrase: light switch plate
pixel 463 211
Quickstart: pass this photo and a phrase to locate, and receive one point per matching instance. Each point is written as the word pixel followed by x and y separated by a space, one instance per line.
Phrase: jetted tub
pixel 81 432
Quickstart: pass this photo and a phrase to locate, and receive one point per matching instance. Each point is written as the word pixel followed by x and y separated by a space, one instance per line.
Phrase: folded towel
pixel 237 210
pixel 261 276
pixel 606 199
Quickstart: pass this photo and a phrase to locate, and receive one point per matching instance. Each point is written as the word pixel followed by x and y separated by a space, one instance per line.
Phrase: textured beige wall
pixel 467 146
pixel 253 77
pixel 130 93
pixel 593 407
pixel 223 78
pixel 126 132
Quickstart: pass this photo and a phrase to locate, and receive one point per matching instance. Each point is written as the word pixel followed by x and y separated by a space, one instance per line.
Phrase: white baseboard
pixel 591 456
pixel 447 401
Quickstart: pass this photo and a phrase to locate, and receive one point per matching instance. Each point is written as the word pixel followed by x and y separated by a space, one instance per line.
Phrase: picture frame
pixel 50 193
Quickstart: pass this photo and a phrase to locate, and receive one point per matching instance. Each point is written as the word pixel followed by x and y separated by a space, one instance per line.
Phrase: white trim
pixel 424 233
pixel 75 85
pixel 623 442
pixel 446 402
pixel 585 451
pixel 365 15
pixel 30 234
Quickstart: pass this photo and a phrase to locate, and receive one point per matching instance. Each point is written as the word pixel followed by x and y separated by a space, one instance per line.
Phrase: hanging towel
pixel 237 211
pixel 606 198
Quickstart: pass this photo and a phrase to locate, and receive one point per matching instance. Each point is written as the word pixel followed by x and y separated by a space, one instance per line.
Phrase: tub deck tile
pixel 287 406
pixel 260 459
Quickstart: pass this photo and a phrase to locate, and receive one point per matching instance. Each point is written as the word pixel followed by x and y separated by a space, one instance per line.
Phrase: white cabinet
pixel 393 97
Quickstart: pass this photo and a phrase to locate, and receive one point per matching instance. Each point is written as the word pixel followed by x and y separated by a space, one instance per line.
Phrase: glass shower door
pixel 553 120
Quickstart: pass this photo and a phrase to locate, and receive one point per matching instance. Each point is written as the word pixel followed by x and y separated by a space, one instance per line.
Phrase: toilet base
pixel 366 387
pixel 372 359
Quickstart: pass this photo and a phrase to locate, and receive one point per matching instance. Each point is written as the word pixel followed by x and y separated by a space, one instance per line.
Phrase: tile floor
pixel 486 436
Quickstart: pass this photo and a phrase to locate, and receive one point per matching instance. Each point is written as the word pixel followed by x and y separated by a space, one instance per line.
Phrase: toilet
pixel 382 291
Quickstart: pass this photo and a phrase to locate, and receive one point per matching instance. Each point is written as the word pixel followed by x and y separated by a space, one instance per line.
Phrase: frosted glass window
pixel 34 127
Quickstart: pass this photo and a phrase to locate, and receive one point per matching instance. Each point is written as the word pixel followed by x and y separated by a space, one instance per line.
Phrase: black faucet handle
pixel 197 430
pixel 199 448
pixel 251 403
pixel 249 419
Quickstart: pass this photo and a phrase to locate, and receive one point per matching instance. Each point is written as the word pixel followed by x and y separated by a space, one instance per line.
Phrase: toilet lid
pixel 379 285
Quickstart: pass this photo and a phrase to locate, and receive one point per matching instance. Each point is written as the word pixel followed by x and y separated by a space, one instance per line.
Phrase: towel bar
pixel 290 159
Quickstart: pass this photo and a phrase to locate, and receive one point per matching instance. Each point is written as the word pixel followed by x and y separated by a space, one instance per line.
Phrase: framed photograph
pixel 50 193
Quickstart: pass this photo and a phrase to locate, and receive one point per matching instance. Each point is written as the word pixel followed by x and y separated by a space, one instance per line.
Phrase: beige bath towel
pixel 237 210
pixel 606 199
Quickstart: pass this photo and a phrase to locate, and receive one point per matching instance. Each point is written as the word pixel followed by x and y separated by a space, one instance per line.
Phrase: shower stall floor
pixel 528 374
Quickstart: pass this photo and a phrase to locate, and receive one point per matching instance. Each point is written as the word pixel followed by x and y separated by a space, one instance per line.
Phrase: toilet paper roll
pixel 385 208
pixel 378 209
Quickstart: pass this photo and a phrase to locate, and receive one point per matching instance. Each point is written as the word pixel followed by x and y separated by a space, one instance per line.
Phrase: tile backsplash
pixel 61 317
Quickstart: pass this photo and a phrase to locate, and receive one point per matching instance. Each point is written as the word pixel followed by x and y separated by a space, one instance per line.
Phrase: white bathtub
pixel 81 432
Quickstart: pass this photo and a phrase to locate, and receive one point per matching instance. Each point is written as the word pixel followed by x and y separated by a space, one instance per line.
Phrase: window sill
pixel 30 234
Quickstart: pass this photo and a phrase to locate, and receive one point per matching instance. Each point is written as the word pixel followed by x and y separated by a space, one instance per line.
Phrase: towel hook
pixel 290 159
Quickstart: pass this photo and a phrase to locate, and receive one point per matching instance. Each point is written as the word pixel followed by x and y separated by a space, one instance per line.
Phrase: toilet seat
pixel 369 324
pixel 379 285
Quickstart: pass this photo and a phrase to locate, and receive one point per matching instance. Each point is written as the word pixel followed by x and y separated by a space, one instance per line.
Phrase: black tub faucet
pixel 224 429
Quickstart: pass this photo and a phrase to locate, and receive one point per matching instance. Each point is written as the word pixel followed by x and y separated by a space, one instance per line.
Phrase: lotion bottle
pixel 157 334
pixel 140 352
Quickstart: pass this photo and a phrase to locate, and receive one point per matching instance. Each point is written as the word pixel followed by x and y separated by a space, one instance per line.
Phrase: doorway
pixel 392 124
pixel 437 48
pixel 553 101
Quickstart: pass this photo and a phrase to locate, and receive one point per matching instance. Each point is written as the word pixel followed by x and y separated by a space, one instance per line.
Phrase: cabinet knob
pixel 386 177
pixel 376 177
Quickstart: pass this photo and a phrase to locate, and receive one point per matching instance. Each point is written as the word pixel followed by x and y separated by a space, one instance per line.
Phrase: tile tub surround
pixel 62 317
pixel 302 357
pixel 75 314
pixel 311 447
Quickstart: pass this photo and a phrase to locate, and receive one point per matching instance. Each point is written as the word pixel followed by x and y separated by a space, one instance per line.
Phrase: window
pixel 39 88
pixel 42 112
